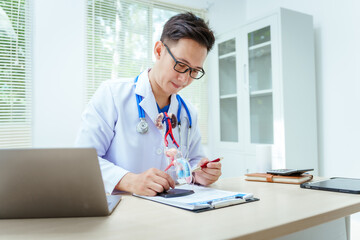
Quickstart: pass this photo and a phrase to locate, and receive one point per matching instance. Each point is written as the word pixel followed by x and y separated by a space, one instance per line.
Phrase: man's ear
pixel 157 49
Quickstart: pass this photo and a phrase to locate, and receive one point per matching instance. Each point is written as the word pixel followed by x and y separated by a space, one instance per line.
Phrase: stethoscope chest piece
pixel 142 126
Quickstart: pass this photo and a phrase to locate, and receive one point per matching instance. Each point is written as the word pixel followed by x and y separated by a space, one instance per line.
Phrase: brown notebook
pixel 265 177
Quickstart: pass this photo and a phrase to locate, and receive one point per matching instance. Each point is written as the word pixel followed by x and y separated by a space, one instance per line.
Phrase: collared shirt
pixel 164 109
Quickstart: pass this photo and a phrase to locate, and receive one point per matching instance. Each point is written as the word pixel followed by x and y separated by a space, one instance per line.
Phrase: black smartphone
pixel 176 192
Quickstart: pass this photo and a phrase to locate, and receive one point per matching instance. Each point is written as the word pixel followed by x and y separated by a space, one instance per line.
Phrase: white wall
pixel 58 71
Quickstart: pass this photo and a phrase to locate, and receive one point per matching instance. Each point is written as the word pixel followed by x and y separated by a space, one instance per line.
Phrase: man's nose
pixel 184 77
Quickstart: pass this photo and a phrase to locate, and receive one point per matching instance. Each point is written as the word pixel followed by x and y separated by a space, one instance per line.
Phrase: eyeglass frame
pixel 201 70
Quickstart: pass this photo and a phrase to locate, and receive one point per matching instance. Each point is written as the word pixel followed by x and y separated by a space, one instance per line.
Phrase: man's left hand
pixel 209 174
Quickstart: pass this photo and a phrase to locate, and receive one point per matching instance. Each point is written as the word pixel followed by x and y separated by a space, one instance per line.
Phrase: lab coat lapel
pixel 174 105
pixel 143 88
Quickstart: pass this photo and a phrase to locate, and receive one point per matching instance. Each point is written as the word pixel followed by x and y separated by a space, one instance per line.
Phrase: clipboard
pixel 203 199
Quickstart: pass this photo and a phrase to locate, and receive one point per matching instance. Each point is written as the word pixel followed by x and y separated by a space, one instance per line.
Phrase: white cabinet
pixel 265 91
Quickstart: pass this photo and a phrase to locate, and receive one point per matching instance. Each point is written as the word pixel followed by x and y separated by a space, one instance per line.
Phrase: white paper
pixel 202 198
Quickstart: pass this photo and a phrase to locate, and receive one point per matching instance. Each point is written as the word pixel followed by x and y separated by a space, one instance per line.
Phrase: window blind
pixel 121 35
pixel 15 74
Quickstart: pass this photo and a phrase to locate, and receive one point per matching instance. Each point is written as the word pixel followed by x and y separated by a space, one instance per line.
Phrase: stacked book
pixel 266 177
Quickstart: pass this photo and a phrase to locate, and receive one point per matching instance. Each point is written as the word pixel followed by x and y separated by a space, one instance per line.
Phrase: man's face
pixel 186 51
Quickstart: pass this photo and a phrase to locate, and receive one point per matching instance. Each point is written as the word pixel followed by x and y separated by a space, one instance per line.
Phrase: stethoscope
pixel 143 126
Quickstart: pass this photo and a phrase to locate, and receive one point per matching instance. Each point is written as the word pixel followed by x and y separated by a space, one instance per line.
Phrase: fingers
pixel 209 164
pixel 203 160
pixel 213 169
pixel 159 184
pixel 147 192
pixel 154 181
pixel 213 165
pixel 204 178
pixel 210 174
pixel 154 188
pixel 168 180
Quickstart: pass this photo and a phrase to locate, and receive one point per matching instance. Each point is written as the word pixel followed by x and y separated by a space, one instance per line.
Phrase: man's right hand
pixel 148 183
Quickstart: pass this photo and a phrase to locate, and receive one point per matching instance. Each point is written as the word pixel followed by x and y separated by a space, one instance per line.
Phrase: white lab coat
pixel 109 125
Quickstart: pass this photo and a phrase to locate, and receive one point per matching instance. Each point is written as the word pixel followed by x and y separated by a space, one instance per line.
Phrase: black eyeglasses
pixel 181 67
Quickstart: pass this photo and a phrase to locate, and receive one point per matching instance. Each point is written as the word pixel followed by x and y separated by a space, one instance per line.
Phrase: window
pixel 15 74
pixel 120 38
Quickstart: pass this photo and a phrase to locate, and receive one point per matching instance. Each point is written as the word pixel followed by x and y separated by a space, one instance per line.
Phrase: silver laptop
pixel 42 183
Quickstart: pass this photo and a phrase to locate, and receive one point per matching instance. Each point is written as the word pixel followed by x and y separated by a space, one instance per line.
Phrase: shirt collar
pixel 143 88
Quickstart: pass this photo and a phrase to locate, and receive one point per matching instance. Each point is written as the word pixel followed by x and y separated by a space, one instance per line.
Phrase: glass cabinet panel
pixel 261 119
pixel 260 68
pixel 227 75
pixel 260 86
pixel 228 91
pixel 228 120
pixel 259 36
pixel 227 47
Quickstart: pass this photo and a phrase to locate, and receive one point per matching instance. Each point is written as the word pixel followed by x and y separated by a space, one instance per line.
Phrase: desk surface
pixel 283 209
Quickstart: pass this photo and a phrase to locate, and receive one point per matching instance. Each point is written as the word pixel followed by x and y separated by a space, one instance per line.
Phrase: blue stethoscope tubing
pixel 178 115
pixel 181 103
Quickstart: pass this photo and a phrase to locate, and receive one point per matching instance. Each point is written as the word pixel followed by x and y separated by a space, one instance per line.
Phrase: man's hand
pixel 148 183
pixel 208 175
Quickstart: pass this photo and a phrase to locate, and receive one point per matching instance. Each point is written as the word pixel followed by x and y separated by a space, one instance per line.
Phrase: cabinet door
pixel 228 97
pixel 259 83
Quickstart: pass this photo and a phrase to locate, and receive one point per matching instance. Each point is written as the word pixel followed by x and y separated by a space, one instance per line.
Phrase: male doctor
pixel 135 162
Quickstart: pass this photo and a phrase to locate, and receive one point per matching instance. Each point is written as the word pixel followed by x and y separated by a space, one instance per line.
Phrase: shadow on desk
pixel 52 225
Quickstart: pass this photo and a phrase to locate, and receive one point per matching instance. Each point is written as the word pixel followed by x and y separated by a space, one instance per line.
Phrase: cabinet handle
pixel 245 79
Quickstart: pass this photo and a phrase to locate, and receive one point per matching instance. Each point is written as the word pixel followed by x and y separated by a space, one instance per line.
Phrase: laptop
pixel 335 184
pixel 46 183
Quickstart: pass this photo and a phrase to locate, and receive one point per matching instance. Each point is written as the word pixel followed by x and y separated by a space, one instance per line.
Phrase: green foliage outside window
pixel 120 38
pixel 13 62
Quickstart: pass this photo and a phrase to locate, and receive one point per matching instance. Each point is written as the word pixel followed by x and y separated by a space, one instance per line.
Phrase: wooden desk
pixel 283 209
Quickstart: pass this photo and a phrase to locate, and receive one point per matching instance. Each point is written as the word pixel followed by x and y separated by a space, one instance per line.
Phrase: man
pixel 132 160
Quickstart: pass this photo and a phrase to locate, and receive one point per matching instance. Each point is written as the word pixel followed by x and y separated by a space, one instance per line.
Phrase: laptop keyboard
pixel 112 201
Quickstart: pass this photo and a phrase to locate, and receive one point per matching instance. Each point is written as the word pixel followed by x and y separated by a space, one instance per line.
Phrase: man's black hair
pixel 187 25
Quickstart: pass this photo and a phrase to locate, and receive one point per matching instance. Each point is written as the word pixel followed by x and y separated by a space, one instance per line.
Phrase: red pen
pixel 204 165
